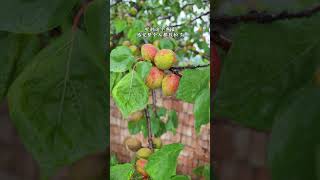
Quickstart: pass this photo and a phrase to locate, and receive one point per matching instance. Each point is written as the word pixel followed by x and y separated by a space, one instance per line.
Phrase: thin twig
pixel 198 17
pixel 154 103
pixel 188 67
pixel 76 19
pixel 149 128
pixel 264 17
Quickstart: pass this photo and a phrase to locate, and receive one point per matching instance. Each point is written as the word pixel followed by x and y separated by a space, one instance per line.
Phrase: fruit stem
pixel 149 128
pixel 154 103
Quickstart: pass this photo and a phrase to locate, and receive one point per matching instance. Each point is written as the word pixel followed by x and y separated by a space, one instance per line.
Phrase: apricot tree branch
pixel 77 18
pixel 198 17
pixel 264 17
pixel 146 112
pixel 188 67
pixel 154 103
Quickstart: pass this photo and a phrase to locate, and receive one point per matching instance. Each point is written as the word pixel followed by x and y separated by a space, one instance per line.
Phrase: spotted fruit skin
pixel 154 79
pixel 140 167
pixel 157 143
pixel 165 58
pixel 133 144
pixel 148 52
pixel 170 84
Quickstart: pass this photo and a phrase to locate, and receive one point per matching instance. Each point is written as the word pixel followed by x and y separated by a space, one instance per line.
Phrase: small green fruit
pixel 148 52
pixel 133 49
pixel 157 143
pixel 144 153
pixel 126 43
pixel 136 116
pixel 133 11
pixel 156 43
pixel 165 58
pixel 154 79
pixel 133 144
pixel 170 84
pixel 140 167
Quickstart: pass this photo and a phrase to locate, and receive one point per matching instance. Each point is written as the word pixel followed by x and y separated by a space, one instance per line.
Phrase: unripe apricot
pixel 157 143
pixel 170 84
pixel 140 167
pixel 148 52
pixel 133 144
pixel 126 43
pixel 156 43
pixel 154 79
pixel 133 11
pixel 136 116
pixel 165 58
pixel 133 49
pixel 144 153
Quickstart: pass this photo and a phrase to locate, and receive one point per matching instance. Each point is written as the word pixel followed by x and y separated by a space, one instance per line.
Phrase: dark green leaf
pixel 53 106
pixel 166 44
pixel 180 177
pixel 120 25
pixel 138 26
pixel 254 82
pixel 33 16
pixel 172 123
pixel 96 24
pixel 203 171
pixel 295 137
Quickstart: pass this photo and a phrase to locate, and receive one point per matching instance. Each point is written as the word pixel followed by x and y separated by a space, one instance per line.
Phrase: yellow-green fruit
pixel 156 43
pixel 133 11
pixel 165 58
pixel 154 79
pixel 157 143
pixel 136 116
pixel 200 30
pixel 133 144
pixel 170 84
pixel 126 43
pixel 148 52
pixel 133 49
pixel 140 167
pixel 144 153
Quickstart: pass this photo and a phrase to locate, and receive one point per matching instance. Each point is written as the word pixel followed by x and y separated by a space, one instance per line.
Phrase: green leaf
pixel 33 16
pixel 253 83
pixel 121 59
pixel 172 123
pixel 202 109
pixel 114 79
pixel 16 51
pixel 166 44
pixel 130 94
pixel 95 19
pixel 58 104
pixel 113 160
pixel 295 137
pixel 192 83
pixel 138 26
pixel 121 172
pixel 162 164
pixel 135 127
pixel 180 177
pixel 120 25
pixel 143 69
pixel 203 171
pixel 161 111
pixel 7 63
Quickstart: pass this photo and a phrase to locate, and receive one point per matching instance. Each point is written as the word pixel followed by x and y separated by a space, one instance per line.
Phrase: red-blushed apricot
pixel 170 84
pixel 164 59
pixel 154 79
pixel 148 52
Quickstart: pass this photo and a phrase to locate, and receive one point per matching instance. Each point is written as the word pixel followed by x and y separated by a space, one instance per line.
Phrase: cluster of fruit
pixel 142 153
pixel 162 60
